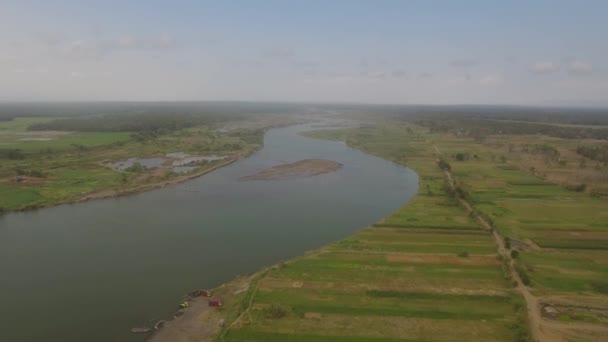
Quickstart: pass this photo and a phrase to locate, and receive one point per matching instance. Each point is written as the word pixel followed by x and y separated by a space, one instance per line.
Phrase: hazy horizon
pixel 320 103
pixel 541 53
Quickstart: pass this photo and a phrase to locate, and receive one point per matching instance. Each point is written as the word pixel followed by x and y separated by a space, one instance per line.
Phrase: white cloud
pixel 306 63
pixel 125 42
pixel 166 40
pixel 546 67
pixel 280 53
pixel 464 63
pixel 399 73
pixel 163 41
pixel 50 39
pixel 491 80
pixel 580 68
pixel 81 49
pixel 77 74
pixel 425 75
pixel 374 75
pixel 90 47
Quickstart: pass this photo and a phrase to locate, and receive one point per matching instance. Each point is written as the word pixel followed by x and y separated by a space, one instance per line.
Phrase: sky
pixel 378 51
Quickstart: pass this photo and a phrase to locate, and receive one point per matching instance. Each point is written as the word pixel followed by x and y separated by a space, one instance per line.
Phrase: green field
pixel 429 272
pixel 425 273
pixel 45 168
pixel 561 235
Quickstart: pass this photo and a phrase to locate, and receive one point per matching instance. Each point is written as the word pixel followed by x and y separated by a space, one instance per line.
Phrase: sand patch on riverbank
pixel 302 168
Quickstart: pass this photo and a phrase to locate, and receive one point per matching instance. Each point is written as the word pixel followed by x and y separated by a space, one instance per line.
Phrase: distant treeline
pixel 479 128
pixel 481 120
pixel 144 122
pixel 573 116
pixel 86 109
pixel 595 152
pixel 145 117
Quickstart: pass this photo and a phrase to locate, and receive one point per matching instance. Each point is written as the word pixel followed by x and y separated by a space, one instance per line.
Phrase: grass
pixel 529 199
pixel 67 142
pixel 60 186
pixel 407 277
pixel 357 303
pixel 255 336
pixel 402 279
pixel 69 165
pixel 21 124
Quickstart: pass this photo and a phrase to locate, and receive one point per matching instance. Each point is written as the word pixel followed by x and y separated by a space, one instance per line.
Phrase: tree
pixel 444 165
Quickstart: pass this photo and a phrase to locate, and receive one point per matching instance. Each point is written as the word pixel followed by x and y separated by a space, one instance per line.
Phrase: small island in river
pixel 302 168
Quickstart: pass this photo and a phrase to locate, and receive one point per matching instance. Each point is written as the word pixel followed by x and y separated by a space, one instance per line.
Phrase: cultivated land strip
pixel 534 317
pixel 430 271
pixel 418 275
pixel 499 194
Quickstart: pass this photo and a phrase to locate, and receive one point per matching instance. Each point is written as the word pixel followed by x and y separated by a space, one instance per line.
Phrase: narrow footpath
pixel 540 331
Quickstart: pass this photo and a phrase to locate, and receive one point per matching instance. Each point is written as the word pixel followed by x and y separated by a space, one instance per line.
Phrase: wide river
pixel 92 271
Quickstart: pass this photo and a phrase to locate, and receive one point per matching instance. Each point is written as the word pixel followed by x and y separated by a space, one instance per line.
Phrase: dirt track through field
pixel 539 330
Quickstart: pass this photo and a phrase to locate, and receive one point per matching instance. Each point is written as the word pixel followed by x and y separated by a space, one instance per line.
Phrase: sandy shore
pixel 201 322
pixel 302 168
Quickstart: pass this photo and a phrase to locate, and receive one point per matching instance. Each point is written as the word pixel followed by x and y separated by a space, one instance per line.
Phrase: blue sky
pixel 439 52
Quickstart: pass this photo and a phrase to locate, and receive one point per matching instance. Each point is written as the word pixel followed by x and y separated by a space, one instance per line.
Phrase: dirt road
pixel 539 331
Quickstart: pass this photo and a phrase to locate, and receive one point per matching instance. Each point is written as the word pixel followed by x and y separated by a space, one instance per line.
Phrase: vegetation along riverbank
pixel 464 260
pixel 50 160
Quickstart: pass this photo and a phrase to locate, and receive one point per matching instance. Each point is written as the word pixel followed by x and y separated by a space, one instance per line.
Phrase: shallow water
pixel 92 271
pixel 189 160
pixel 148 163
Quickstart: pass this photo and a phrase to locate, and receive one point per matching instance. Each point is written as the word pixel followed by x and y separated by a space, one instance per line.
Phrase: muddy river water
pixel 92 271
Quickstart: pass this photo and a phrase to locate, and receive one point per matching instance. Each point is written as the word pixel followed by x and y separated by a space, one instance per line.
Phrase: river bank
pixel 115 193
pixel 429 270
pixel 449 266
pixel 51 173
pixel 134 257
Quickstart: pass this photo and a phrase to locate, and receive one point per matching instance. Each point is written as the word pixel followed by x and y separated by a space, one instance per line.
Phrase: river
pixel 92 271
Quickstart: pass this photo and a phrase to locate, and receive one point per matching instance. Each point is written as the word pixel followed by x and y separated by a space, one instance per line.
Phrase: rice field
pixel 425 273
pixel 428 272
pixel 561 235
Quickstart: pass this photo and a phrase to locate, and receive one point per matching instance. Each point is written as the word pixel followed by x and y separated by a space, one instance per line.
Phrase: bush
pixel 461 192
pixel 577 188
pixel 463 254
pixel 599 286
pixel 31 173
pixel 275 311
pixel 462 156
pixel 520 332
pixel 12 154
pixel 523 273
pixel 136 167
pixel 444 165
pixel 37 173
pixel 514 254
